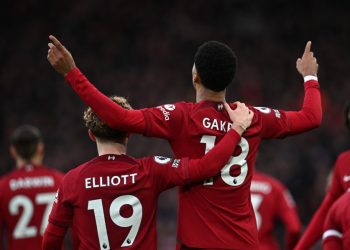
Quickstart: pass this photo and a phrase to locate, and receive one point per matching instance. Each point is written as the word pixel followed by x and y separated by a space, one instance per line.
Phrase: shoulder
pixel 342 161
pixel 344 156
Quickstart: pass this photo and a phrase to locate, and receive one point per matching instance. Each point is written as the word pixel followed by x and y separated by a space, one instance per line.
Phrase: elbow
pixel 315 119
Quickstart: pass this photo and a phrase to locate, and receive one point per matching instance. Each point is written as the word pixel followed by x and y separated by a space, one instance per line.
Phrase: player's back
pixel 228 216
pixel 26 198
pixel 113 201
pixel 269 198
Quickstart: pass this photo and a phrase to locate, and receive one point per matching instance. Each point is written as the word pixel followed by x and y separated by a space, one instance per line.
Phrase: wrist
pixel 310 77
pixel 239 128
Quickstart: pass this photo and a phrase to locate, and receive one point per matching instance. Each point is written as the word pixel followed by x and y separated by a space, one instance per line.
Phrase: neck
pixel 36 161
pixel 105 148
pixel 203 94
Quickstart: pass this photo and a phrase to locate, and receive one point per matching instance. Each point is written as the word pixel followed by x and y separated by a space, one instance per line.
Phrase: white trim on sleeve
pixel 310 77
pixel 330 233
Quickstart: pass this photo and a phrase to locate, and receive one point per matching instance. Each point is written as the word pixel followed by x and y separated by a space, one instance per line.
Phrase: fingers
pixel 307 47
pixel 56 42
pixel 227 107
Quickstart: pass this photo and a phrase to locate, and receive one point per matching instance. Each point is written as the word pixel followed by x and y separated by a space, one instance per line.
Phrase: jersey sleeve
pixel 165 121
pixel 289 217
pixel 332 232
pixel 336 188
pixel 62 210
pixel 313 231
pixel 168 173
pixel 111 113
pixel 279 123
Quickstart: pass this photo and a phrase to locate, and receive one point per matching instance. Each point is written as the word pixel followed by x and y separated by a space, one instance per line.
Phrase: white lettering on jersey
pixel 346 178
pixel 31 182
pixel 161 159
pixel 262 187
pixel 107 181
pixel 165 113
pixel 217 125
pixel 277 113
pixel 176 163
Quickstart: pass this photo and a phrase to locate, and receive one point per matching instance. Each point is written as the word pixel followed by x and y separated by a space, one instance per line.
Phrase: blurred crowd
pixel 144 50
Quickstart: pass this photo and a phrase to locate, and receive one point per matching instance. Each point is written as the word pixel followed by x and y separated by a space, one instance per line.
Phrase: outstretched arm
pixel 310 115
pixel 112 114
pixel 284 123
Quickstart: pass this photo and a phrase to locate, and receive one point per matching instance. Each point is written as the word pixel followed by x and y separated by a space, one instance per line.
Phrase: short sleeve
pixel 62 209
pixel 165 121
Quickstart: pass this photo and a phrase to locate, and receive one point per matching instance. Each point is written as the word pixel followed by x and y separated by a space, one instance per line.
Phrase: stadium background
pixel 144 49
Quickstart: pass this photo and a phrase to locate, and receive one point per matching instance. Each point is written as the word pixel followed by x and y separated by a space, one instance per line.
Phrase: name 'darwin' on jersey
pixel 107 181
pixel 215 124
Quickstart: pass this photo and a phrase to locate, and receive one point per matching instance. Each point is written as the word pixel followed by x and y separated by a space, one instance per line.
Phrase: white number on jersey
pixel 240 160
pixel 256 202
pixel 134 221
pixel 22 229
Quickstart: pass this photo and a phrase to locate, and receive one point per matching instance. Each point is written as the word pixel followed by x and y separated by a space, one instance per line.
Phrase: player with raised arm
pixel 111 200
pixel 340 183
pixel 336 230
pixel 27 193
pixel 216 214
pixel 272 201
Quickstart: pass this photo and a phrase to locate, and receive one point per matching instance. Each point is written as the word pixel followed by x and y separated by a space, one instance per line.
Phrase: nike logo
pixel 346 178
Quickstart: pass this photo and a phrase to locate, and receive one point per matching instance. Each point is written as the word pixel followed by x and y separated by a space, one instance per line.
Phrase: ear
pixel 92 136
pixel 41 148
pixel 195 76
pixel 13 152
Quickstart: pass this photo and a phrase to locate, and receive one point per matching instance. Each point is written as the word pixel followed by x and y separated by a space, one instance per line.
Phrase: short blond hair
pixel 100 129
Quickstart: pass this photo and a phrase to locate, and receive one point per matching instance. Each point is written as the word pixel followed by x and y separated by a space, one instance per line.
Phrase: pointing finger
pixel 307 47
pixel 56 42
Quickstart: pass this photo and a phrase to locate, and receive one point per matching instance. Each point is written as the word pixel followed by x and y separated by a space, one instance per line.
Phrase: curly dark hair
pixel 100 129
pixel 216 65
pixel 25 140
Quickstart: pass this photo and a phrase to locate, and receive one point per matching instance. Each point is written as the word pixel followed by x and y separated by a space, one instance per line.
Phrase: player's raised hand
pixel 307 64
pixel 241 116
pixel 59 57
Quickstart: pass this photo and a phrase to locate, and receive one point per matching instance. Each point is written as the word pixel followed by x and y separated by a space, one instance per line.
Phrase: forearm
pixel 310 116
pixel 111 113
pixel 216 158
pixel 315 228
pixel 333 243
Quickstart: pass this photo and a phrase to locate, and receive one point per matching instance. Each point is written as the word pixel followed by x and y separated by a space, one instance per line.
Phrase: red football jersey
pixel 340 183
pixel 26 198
pixel 271 200
pixel 216 214
pixel 336 234
pixel 111 201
